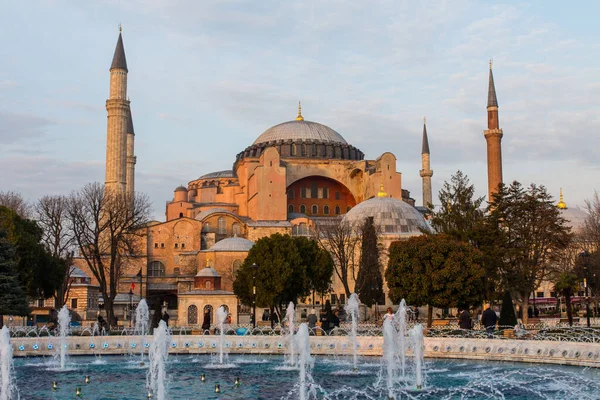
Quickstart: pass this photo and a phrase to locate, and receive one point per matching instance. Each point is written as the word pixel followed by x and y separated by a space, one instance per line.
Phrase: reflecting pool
pixel 267 377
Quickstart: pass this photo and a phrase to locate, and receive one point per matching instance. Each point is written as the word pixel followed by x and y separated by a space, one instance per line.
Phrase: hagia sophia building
pixel 294 176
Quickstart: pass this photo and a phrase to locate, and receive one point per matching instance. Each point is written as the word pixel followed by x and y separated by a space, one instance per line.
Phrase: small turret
pixel 180 193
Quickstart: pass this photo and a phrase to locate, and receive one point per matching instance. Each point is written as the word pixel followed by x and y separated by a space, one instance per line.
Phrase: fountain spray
pixel 352 309
pixel 305 362
pixel 142 316
pixel 159 351
pixel 64 320
pixel 401 326
pixel 290 313
pixel 416 334
pixel 221 316
pixel 8 389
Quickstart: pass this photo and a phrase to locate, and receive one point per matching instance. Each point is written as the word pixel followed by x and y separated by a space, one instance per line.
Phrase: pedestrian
pixel 206 321
pixel 389 315
pixel 464 320
pixel 536 312
pixel 165 317
pixel 530 312
pixel 303 315
pixel 336 319
pixel 327 321
pixel 416 314
pixel 265 316
pixel 312 321
pixel 489 320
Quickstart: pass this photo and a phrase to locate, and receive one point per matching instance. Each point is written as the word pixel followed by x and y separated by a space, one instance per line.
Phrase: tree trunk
pixel 429 316
pixel 525 307
pixel 110 312
pixel 569 309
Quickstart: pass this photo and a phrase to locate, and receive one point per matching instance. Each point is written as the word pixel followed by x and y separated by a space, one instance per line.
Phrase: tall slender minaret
pixel 117 107
pixel 493 136
pixel 426 173
pixel 131 158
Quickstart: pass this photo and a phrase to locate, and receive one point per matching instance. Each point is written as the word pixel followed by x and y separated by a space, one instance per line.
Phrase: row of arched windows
pixel 315 209
pixel 221 227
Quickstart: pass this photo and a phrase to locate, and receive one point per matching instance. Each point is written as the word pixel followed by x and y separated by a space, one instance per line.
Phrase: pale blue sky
pixel 207 77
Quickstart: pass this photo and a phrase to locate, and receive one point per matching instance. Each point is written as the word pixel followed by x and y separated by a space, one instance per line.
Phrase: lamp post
pixel 130 306
pixel 585 257
pixel 254 269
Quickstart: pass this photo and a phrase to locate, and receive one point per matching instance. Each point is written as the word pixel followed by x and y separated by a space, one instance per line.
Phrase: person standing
pixel 489 320
pixel 206 321
pixel 464 320
pixel 165 318
pixel 312 321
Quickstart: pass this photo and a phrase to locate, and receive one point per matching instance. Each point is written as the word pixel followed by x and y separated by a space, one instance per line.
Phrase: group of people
pixel 207 318
pixel 489 319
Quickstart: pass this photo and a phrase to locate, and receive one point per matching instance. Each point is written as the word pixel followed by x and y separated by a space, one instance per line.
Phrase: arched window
pixel 235 228
pixel 192 315
pixel 208 285
pixel 348 208
pixel 300 229
pixel 156 268
pixel 303 149
pixel 303 192
pixel 293 149
pixel 326 210
pixel 337 210
pixel 315 209
pixel 208 309
pixel 180 215
pixel 290 208
pixel 206 227
pixel 302 209
pixel 221 226
pixel 237 264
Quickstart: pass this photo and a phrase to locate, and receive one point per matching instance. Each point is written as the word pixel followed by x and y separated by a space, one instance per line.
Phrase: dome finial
pixel 561 204
pixel 381 192
pixel 299 117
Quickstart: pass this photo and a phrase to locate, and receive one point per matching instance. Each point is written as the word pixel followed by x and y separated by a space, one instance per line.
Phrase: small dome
pixel 75 272
pixel 203 214
pixel 219 174
pixel 181 189
pixel 208 272
pixel 301 130
pixel 391 216
pixel 233 244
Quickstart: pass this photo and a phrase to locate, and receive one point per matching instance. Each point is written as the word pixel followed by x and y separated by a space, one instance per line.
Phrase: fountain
pixel 305 363
pixel 352 310
pixel 221 317
pixel 64 320
pixel 389 354
pixel 290 313
pixel 400 323
pixel 416 334
pixel 142 316
pixel 8 389
pixel 159 351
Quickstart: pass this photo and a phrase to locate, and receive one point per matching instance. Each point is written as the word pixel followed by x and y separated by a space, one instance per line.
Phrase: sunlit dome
pixel 390 216
pixel 302 130
pixel 233 244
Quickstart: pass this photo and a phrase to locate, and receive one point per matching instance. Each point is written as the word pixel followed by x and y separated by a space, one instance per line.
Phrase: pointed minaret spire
pixel 425 149
pixel 426 172
pixel 492 99
pixel 493 136
pixel 119 61
pixel 131 158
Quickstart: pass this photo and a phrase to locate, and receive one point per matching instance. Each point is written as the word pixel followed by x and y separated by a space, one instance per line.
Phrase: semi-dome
pixel 208 272
pixel 233 244
pixel 301 130
pixel 390 216
pixel 219 174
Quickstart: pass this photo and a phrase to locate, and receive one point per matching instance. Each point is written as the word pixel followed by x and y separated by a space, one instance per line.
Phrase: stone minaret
pixel 131 158
pixel 493 137
pixel 117 107
pixel 426 173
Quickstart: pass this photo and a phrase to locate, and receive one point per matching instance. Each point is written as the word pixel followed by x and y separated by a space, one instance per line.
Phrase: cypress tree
pixel 507 313
pixel 13 300
pixel 369 282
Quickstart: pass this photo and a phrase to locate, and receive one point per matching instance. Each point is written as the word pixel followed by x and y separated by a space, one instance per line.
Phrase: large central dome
pixel 301 130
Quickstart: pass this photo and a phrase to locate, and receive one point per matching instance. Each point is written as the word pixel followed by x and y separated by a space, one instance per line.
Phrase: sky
pixel 206 78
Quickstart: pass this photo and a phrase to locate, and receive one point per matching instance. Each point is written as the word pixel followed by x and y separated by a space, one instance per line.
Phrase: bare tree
pixel 591 225
pixel 52 216
pixel 341 239
pixel 15 201
pixel 107 228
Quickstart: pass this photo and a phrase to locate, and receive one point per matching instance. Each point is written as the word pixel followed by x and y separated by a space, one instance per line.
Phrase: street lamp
pixel 254 269
pixel 130 306
pixel 585 256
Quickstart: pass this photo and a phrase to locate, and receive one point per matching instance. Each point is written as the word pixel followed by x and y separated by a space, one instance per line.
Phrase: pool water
pixel 262 377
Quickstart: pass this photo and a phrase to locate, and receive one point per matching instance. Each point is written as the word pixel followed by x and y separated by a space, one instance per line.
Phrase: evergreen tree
pixel 13 300
pixel 369 282
pixel 507 313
